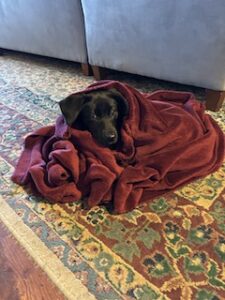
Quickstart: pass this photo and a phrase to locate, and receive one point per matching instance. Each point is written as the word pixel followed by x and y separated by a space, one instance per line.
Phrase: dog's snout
pixel 110 136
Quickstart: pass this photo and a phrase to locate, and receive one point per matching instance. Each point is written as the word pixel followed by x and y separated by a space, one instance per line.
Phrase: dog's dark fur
pixel 100 112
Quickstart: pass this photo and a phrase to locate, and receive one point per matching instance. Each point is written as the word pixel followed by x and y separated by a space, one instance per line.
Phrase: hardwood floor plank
pixel 20 277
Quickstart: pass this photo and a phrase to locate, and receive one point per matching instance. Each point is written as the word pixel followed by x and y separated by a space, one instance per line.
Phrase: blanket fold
pixel 167 140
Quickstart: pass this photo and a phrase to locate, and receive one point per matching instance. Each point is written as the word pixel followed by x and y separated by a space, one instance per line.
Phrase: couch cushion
pixel 179 40
pixel 51 28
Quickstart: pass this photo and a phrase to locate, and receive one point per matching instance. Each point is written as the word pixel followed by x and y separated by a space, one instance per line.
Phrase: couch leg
pixel 99 73
pixel 86 69
pixel 214 99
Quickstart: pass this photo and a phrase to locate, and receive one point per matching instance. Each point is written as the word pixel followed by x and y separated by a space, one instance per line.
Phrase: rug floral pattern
pixel 170 248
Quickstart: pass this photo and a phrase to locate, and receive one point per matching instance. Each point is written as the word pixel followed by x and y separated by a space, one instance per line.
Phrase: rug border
pixel 63 278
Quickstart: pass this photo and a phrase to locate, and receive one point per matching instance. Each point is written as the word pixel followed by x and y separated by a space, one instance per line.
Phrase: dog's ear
pixel 121 101
pixel 71 107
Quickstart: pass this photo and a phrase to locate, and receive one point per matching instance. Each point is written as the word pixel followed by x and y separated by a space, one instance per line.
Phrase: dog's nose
pixel 110 136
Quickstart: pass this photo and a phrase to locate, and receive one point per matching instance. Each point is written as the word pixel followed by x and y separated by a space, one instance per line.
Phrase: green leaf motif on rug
pixel 220 248
pixel 127 249
pixel 194 264
pixel 213 271
pixel 172 233
pixel 179 251
pixel 200 235
pixel 218 213
pixel 117 231
pixel 127 239
pixel 217 283
pixel 148 236
pixel 206 295
pixel 159 206
pixel 158 265
pixel 4 167
pixel 132 216
pixel 96 216
pixel 144 293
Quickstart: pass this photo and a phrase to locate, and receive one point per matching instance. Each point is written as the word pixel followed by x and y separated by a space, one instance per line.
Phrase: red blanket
pixel 168 141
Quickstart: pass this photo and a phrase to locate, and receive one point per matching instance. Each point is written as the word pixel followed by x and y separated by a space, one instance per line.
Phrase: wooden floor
pixel 20 278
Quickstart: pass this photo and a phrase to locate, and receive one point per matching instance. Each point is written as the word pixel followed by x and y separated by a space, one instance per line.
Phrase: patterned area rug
pixel 170 248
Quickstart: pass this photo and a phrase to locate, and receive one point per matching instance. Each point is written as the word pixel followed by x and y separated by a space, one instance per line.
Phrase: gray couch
pixel 177 40
pixel 53 28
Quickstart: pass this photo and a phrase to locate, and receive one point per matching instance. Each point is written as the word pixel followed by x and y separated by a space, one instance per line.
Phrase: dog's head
pixel 100 112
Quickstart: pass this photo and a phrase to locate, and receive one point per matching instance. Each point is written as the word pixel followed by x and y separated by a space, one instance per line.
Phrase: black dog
pixel 100 112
